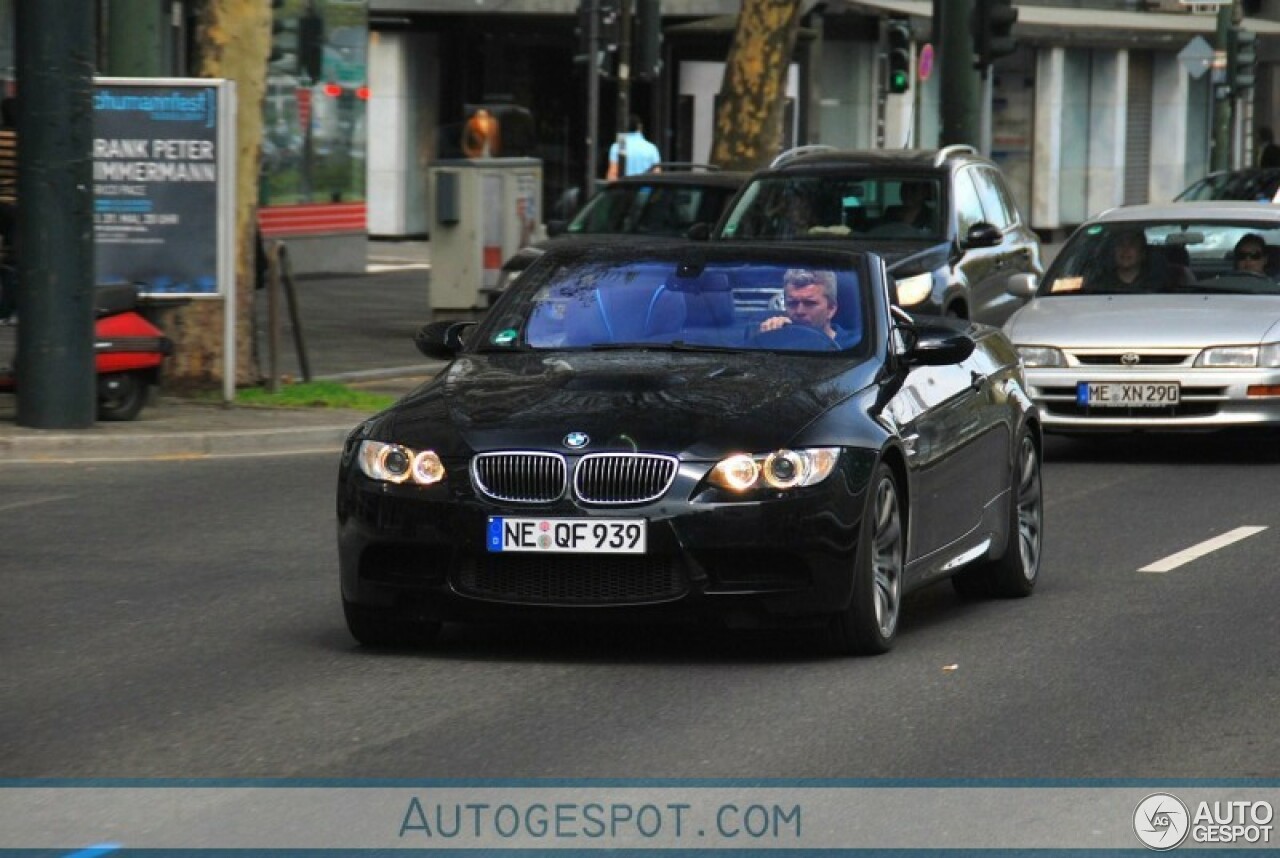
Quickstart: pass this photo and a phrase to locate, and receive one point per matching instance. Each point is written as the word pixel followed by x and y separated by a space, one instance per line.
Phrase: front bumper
pixel 784 560
pixel 1208 399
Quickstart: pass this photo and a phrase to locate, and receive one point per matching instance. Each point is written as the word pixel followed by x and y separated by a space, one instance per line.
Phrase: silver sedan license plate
pixel 1128 394
pixel 567 535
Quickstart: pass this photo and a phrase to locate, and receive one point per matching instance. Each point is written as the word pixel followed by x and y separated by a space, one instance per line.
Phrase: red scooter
pixel 128 351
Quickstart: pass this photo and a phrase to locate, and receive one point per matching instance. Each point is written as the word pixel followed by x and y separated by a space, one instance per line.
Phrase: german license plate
pixel 568 535
pixel 1127 394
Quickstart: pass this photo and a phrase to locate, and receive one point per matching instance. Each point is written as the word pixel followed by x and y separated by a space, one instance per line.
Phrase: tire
pixel 869 625
pixel 1014 574
pixel 121 395
pixel 387 628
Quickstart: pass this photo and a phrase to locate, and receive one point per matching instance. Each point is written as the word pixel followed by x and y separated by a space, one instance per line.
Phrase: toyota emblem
pixel 576 440
pixel 1130 359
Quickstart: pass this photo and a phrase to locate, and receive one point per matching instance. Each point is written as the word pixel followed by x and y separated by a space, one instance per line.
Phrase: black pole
pixel 593 95
pixel 1220 154
pixel 961 92
pixel 56 385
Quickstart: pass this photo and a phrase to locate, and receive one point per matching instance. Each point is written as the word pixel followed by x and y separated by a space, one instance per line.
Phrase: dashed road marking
pixel 1173 561
pixel 385 267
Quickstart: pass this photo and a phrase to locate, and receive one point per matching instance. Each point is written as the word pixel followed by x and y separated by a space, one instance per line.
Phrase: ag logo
pixel 1161 821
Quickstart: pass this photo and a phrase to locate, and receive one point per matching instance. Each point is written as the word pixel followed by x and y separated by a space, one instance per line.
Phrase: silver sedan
pixel 1158 318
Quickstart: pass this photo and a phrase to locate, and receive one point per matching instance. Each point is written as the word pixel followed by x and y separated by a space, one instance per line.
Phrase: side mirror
pixel 441 340
pixel 1023 285
pixel 556 227
pixel 700 231
pixel 939 346
pixel 982 235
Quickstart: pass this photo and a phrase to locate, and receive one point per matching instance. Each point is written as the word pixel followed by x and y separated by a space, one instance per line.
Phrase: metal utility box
pixel 483 210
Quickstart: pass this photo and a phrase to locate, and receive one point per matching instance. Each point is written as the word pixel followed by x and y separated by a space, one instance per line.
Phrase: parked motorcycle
pixel 128 352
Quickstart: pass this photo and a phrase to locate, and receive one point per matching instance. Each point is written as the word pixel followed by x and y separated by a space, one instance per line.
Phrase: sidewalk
pixel 356 329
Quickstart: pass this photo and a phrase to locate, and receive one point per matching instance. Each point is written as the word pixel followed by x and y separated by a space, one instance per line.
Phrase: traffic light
pixel 1242 52
pixel 898 35
pixel 648 39
pixel 992 28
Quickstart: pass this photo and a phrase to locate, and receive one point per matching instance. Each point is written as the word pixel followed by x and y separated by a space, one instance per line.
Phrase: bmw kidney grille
pixel 520 477
pixel 616 478
pixel 598 478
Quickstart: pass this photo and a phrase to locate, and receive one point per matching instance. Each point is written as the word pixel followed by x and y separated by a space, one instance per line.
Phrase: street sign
pixel 1197 57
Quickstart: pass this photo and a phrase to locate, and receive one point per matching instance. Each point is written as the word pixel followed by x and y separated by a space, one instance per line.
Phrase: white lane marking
pixel 385 267
pixel 33 502
pixel 1173 561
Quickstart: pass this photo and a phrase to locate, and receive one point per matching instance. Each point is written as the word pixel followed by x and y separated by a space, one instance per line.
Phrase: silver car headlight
pixel 1228 357
pixel 915 289
pixel 395 463
pixel 1034 357
pixel 781 469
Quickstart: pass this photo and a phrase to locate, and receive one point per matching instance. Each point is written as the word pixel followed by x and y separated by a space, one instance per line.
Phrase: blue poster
pixel 155 175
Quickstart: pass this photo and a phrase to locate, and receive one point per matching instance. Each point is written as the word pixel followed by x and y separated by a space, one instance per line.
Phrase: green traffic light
pixel 898 82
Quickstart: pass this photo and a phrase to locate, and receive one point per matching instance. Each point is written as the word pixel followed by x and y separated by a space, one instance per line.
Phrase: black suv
pixel 944 220
pixel 654 205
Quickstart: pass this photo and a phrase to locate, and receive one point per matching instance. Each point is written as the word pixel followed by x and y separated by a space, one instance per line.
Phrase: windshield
pixel 666 305
pixel 1252 186
pixel 825 206
pixel 650 209
pixel 1186 257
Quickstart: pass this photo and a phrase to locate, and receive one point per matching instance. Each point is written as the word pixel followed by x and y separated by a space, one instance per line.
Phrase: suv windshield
pixel 1188 257
pixel 650 209
pixel 844 206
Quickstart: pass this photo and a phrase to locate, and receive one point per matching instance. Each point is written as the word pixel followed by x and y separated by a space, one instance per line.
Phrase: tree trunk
pixel 233 42
pixel 748 126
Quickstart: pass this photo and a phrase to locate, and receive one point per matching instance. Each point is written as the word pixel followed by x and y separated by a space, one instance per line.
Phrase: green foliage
pixel 314 394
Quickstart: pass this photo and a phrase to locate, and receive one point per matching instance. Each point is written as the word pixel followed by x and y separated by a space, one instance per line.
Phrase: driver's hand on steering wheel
pixel 774 323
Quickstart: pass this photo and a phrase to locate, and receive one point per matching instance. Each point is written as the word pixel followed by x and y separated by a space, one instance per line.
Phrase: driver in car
pixel 1250 255
pixel 810 301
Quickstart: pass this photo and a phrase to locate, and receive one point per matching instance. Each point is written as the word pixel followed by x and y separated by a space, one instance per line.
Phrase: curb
pixel 235 443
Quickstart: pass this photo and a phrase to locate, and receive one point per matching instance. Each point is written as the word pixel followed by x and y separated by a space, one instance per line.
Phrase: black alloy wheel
pixel 869 625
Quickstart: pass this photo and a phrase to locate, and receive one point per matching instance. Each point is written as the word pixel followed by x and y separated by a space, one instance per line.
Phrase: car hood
pixel 700 405
pixel 1098 321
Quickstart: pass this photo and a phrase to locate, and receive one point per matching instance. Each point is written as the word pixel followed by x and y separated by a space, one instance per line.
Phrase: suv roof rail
pixel 796 151
pixel 684 165
pixel 954 149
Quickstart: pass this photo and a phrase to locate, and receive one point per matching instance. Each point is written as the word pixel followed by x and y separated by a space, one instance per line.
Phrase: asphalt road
pixel 181 619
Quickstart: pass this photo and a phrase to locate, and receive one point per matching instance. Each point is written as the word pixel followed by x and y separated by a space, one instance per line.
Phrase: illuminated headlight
pixel 394 463
pixel 1041 356
pixel 781 469
pixel 913 290
pixel 1228 357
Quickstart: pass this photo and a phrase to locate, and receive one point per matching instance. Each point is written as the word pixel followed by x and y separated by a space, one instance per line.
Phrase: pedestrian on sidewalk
pixel 632 154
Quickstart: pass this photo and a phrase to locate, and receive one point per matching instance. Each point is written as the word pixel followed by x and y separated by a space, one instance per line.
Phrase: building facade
pixel 1094 109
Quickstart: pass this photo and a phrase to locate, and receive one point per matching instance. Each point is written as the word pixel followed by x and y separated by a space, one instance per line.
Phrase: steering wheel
pixel 794 337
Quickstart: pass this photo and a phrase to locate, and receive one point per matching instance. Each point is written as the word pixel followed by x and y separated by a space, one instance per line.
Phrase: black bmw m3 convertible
pixel 748 435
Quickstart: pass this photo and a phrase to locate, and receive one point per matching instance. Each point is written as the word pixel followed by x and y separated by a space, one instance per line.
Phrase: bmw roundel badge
pixel 576 440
